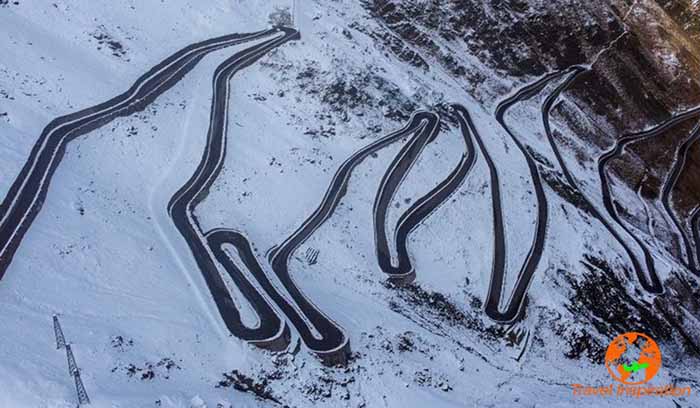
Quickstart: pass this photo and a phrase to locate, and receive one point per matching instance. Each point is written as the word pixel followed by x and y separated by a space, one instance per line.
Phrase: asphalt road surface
pixel 532 260
pixel 651 283
pixel 574 74
pixel 421 208
pixel 270 289
pixel 272 331
pixel 680 160
pixel 27 193
pixel 514 307
pixel 695 228
pixel 392 179
pixel 333 343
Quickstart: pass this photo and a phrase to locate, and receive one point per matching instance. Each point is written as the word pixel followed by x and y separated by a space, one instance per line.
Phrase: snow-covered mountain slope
pixel 132 297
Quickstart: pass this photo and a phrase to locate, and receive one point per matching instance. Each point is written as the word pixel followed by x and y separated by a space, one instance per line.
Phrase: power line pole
pixel 73 369
pixel 60 339
pixel 83 398
pixel 72 366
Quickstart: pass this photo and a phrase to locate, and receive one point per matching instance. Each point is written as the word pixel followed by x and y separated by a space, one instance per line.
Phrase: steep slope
pixel 471 133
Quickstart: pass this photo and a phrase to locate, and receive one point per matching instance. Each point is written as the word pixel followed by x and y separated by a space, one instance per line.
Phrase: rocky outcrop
pixel 644 68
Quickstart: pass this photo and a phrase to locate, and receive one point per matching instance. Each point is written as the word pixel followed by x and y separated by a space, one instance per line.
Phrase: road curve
pixel 334 345
pixel 272 332
pixel 575 73
pixel 404 274
pixel 680 160
pixel 27 193
pixel 425 206
pixel 651 284
pixel 695 229
pixel 532 260
pixel 321 334
pixel 493 296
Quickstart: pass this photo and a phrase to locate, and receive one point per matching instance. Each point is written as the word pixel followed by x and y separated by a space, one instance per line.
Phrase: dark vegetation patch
pixel 682 299
pixel 436 304
pixel 582 344
pixel 280 17
pixel 383 348
pixel 324 384
pixel 106 41
pixel 120 343
pixel 352 94
pixel 406 342
pixel 399 48
pixel 5 95
pixel 602 299
pixel 623 91
pixel 573 196
pixel 539 158
pixel 149 371
pixel 436 313
pixel 244 383
pixel 339 95
pixel 685 14
pixel 516 37
pixel 426 378
pixel 327 386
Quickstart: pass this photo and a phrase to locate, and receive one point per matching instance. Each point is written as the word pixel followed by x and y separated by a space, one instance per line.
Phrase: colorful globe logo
pixel 633 358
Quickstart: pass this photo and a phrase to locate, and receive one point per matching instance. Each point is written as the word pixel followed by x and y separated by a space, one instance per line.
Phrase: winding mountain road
pixel 493 296
pixel 272 332
pixel 398 169
pixel 651 283
pixel 333 343
pixel 575 73
pixel 27 193
pixel 534 255
pixel 270 290
pixel 679 162
pixel 419 210
pixel 492 306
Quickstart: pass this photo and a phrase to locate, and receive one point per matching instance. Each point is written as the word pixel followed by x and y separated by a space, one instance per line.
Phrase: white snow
pixel 121 268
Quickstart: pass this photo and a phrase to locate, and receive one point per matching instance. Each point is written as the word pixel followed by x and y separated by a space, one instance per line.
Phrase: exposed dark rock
pixel 602 299
pixel 244 383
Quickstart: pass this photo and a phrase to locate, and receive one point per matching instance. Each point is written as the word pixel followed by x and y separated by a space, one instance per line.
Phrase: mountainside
pixel 381 203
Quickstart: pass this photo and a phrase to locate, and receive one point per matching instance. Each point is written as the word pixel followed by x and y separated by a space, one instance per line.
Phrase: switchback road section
pixel 272 332
pixel 333 344
pixel 27 193
pixel 651 283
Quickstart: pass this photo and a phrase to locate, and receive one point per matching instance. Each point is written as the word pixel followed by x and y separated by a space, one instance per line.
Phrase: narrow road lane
pixel 272 332
pixel 333 346
pixel 651 283
pixel 679 162
pixel 28 192
pixel 576 72
pixel 534 255
pixel 422 209
pixel 392 179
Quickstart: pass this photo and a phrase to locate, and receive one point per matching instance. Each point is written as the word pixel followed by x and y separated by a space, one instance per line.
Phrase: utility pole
pixel 72 366
pixel 73 369
pixel 83 398
pixel 294 13
pixel 60 339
